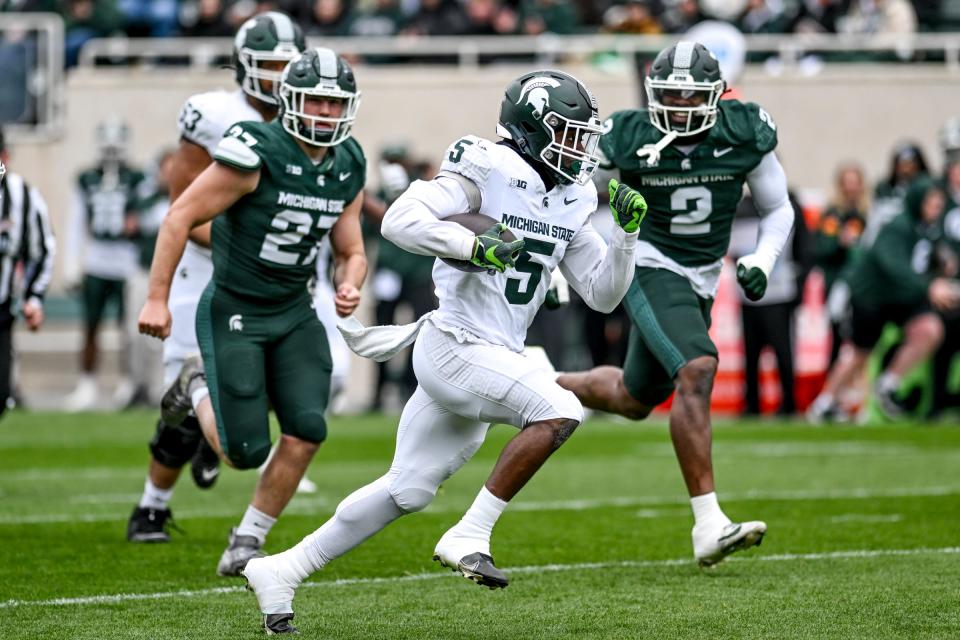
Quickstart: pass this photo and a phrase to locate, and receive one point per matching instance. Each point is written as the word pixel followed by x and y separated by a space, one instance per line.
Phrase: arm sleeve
pixel 40 250
pixel 415 221
pixel 768 186
pixel 600 274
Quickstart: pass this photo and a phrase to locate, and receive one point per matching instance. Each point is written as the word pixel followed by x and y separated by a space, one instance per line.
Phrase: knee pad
pixel 309 425
pixel 412 490
pixel 174 446
pixel 249 457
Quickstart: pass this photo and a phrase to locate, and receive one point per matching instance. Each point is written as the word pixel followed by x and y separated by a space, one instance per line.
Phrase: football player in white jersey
pixel 262 47
pixel 468 354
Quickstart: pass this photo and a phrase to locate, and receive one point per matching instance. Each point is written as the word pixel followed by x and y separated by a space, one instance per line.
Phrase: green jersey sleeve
pixel 241 147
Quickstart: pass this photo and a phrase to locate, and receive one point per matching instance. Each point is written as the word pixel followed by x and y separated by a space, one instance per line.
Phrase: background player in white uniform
pixel 468 354
pixel 262 47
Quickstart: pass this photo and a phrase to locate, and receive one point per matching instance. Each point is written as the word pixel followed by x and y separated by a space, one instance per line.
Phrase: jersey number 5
pixel 528 266
pixel 457 152
pixel 693 222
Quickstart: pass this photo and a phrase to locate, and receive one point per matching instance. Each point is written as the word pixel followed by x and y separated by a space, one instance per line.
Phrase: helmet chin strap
pixel 652 151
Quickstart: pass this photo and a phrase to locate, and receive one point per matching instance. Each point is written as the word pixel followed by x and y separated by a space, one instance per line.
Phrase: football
pixel 476 223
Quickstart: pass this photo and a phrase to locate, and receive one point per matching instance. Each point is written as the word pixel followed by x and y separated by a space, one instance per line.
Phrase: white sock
pixel 707 511
pixel 479 519
pixel 888 381
pixel 256 523
pixel 153 497
pixel 197 396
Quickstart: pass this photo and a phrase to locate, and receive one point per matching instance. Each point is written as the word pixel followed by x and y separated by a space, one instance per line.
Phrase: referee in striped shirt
pixel 26 240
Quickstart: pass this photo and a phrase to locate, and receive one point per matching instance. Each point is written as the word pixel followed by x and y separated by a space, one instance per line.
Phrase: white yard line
pixel 546 568
pixel 306 506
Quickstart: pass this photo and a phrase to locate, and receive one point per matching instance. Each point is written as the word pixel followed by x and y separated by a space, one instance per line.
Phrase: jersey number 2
pixel 693 222
pixel 272 248
pixel 528 266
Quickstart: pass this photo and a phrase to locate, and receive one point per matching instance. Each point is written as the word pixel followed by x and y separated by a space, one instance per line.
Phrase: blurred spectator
pixel 547 16
pixel 681 15
pixel 770 320
pixel 438 18
pixel 838 232
pixel 328 18
pixel 103 230
pixel 87 19
pixel 945 397
pixel 636 16
pixel 906 165
pixel 145 354
pixel 205 19
pixel 818 16
pixel 155 18
pixel 868 17
pixel 384 18
pixel 763 16
pixel 26 240
pixel 490 18
pixel 878 16
pixel 895 280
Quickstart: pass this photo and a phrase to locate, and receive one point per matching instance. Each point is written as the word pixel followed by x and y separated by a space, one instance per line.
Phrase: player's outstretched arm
pixel 213 192
pixel 350 260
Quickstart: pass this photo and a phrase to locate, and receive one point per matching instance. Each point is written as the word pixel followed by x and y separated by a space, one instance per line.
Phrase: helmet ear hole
pixel 529 128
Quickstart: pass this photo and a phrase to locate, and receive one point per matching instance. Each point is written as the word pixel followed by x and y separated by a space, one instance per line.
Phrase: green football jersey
pixel 691 198
pixel 265 245
pixel 108 196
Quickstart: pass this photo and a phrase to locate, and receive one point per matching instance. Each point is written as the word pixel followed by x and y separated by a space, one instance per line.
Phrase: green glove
pixel 627 205
pixel 490 252
pixel 752 280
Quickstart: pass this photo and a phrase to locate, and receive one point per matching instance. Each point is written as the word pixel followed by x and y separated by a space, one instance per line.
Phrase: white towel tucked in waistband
pixel 379 343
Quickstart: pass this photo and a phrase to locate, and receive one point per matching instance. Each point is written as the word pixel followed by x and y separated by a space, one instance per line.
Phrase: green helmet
pixel 318 72
pixel 690 74
pixel 268 37
pixel 552 118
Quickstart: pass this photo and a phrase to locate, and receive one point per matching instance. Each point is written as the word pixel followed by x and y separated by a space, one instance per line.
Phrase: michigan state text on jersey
pixel 690 155
pixel 467 356
pixel 275 191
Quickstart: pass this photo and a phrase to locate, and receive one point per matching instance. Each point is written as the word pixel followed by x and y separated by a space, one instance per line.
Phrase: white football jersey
pixel 206 116
pixel 499 308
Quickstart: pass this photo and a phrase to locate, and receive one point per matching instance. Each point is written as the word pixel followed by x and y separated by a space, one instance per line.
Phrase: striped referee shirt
pixel 25 238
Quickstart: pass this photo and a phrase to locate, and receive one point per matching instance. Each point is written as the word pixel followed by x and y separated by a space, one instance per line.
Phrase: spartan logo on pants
pixel 235 322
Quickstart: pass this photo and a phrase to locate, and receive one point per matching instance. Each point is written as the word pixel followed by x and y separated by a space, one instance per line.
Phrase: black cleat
pixel 479 568
pixel 277 623
pixel 149 525
pixel 889 403
pixel 205 466
pixel 176 402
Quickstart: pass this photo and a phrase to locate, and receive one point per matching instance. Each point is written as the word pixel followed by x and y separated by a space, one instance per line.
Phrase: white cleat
pixel 84 397
pixel 274 594
pixel 712 545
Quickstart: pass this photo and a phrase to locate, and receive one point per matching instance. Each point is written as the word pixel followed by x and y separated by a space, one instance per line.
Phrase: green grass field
pixel 863 542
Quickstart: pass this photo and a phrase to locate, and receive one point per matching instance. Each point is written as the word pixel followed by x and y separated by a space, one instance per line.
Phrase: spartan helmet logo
pixel 536 95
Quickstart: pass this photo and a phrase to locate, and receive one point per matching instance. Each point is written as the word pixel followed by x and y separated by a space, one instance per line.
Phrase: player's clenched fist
pixel 155 319
pixel 491 252
pixel 627 205
pixel 346 299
